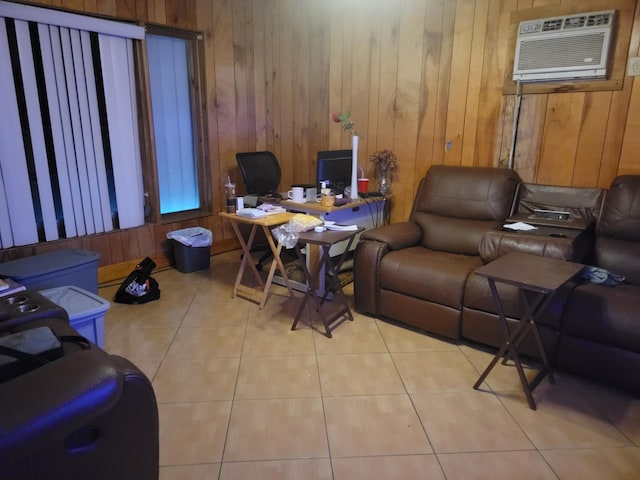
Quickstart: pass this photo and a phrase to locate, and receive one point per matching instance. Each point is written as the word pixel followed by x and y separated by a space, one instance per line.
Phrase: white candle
pixel 354 167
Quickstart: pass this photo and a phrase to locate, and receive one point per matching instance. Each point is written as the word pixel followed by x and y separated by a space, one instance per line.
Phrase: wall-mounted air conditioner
pixel 562 48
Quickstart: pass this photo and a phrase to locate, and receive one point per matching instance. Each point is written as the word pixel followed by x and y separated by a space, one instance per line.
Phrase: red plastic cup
pixel 363 185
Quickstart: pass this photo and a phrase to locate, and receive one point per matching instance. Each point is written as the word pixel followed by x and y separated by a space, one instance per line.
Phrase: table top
pixel 266 221
pixel 531 272
pixel 317 207
pixel 328 237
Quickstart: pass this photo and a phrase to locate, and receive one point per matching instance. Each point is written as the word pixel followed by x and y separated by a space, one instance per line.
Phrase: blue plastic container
pixel 55 269
pixel 86 311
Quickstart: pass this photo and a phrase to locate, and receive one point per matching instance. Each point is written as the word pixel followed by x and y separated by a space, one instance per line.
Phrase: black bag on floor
pixel 139 286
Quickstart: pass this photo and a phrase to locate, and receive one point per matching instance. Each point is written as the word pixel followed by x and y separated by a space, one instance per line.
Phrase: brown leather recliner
pixel 85 415
pixel 415 272
pixel 600 336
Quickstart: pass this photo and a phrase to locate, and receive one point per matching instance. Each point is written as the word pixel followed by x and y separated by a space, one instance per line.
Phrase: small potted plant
pixel 385 161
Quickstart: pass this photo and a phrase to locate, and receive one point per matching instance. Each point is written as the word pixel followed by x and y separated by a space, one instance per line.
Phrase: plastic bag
pixel 192 237
pixel 285 235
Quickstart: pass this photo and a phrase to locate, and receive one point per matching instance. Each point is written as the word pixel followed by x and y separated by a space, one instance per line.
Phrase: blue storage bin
pixel 55 269
pixel 86 310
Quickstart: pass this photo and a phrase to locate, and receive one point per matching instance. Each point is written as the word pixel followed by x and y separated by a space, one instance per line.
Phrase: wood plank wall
pixel 421 77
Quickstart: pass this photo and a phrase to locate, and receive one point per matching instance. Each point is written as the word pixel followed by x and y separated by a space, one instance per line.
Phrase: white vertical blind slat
pixel 58 109
pixel 122 118
pixel 36 131
pixel 17 218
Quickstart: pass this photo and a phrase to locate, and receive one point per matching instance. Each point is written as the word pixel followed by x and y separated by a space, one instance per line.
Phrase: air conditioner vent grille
pixel 574 22
pixel 599 20
pixel 552 25
pixel 576 52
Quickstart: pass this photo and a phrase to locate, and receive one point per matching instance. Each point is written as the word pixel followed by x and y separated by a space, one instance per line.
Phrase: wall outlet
pixel 633 68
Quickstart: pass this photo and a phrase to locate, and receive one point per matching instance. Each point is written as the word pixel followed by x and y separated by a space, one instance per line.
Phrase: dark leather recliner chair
pixel 601 326
pixel 85 415
pixel 415 272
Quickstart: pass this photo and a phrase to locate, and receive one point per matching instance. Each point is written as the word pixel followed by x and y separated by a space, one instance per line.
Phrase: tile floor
pixel 241 396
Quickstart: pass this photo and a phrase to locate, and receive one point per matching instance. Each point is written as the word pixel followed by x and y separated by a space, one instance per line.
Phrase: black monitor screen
pixel 334 167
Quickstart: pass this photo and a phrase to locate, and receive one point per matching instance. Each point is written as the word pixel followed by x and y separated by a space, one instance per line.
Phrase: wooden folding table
pixel 266 223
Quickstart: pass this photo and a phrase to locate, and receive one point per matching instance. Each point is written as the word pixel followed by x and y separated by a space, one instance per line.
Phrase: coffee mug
pixel 296 194
pixel 311 194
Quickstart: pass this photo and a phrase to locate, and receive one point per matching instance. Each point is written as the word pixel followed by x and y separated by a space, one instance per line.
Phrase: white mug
pixel 296 194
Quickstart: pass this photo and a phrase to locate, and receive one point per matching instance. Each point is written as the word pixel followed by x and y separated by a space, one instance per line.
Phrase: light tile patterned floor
pixel 241 396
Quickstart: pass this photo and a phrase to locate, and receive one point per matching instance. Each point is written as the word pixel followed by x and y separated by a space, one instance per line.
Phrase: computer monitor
pixel 334 167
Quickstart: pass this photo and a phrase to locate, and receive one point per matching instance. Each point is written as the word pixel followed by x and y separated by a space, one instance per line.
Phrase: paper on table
pixel 519 226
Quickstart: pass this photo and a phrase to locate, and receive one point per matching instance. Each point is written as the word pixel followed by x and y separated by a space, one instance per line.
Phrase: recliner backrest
pixel 617 247
pixel 455 206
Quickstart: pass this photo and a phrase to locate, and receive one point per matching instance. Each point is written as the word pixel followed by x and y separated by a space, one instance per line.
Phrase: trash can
pixel 192 248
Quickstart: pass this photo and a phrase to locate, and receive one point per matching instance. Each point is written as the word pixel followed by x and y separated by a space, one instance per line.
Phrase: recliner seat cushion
pixel 422 273
pixel 607 315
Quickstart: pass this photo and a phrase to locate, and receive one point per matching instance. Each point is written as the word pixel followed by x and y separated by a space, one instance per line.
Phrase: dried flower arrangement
pixel 384 158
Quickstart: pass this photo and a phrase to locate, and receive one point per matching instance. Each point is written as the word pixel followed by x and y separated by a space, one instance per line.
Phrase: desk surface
pixel 531 272
pixel 317 207
pixel 266 221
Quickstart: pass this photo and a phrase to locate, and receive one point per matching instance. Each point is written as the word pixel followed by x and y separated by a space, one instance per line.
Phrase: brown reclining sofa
pixel 421 272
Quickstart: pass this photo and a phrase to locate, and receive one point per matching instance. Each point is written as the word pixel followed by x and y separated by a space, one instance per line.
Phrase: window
pixel 69 153
pixel 84 119
pixel 176 113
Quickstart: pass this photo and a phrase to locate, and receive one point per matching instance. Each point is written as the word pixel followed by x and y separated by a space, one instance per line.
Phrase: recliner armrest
pixel 54 399
pixel 396 235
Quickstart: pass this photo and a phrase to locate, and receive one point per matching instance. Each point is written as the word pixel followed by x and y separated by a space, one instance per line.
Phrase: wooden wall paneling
pixel 459 81
pixel 629 158
pixel 77 5
pixel 145 243
pixel 533 109
pixel 616 128
pixel 411 44
pixel 300 24
pixel 629 155
pixel 205 15
pixel 505 132
pixel 431 64
pixel 336 53
pixel 319 53
pixel 593 127
pixel 259 48
pixel 272 90
pixel 243 78
pixel 387 81
pixel 490 123
pixel 360 74
pixel 225 103
pixel 286 51
pixel 126 9
pixel 107 7
pixel 90 6
pixel 142 11
pixel 443 91
pixel 559 141
pixel 177 13
pixel 370 141
pixel 474 81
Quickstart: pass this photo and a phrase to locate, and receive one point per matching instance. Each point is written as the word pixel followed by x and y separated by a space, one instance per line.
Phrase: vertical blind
pixel 69 153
